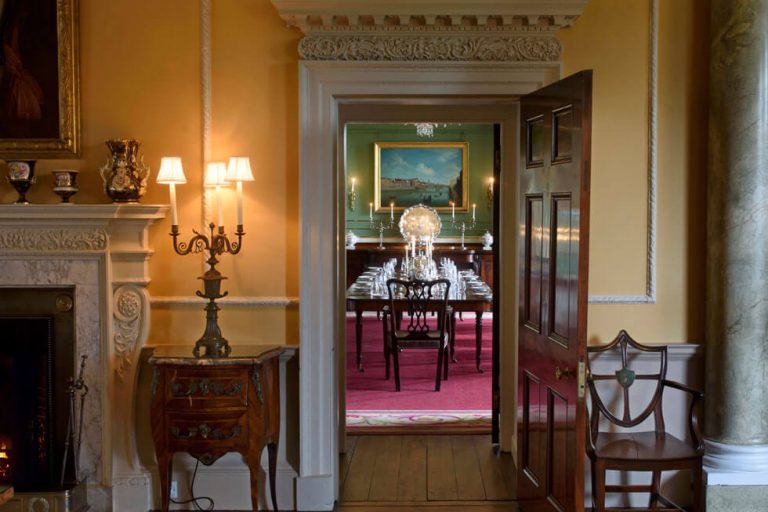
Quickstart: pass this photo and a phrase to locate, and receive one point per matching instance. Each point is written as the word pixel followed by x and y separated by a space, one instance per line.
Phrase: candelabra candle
pixel 370 212
pixel 474 210
pixel 215 243
pixel 392 211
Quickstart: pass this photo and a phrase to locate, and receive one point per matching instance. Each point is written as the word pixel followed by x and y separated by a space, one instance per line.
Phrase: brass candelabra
pixel 215 244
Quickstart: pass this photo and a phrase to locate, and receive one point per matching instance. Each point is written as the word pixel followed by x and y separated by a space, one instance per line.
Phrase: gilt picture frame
pixel 39 79
pixel 430 173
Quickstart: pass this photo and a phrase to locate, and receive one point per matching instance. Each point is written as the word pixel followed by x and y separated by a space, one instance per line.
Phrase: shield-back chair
pixel 653 451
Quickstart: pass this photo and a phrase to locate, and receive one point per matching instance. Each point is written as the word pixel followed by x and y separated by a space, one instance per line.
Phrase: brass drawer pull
pixel 206 432
pixel 205 386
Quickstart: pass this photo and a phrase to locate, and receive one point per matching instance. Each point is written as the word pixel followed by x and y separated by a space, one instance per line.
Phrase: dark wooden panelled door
pixel 554 245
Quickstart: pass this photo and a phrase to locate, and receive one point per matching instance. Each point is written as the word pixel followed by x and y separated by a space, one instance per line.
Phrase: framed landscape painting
pixel 39 79
pixel 430 173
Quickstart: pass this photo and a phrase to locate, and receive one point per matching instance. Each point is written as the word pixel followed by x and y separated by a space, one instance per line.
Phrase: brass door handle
pixel 560 373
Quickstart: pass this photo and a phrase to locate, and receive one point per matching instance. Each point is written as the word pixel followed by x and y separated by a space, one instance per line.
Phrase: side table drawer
pixel 202 388
pixel 226 431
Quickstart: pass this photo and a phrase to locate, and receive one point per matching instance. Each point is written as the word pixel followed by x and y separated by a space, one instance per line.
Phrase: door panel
pixel 534 275
pixel 554 238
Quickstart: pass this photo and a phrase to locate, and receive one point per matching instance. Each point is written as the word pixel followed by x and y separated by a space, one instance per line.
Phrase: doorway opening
pixel 448 171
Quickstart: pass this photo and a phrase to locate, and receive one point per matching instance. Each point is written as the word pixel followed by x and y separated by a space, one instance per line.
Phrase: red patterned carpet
pixel 466 390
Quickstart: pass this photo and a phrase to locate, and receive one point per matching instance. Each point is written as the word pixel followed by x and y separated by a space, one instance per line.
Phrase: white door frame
pixel 322 86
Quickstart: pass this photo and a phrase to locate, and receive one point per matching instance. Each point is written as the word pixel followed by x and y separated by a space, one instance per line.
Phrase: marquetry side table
pixel 208 407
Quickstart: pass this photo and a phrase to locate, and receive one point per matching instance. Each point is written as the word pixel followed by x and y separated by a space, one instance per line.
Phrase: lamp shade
pixel 216 174
pixel 239 169
pixel 171 171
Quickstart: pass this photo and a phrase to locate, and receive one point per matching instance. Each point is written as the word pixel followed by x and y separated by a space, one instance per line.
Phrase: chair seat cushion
pixel 639 446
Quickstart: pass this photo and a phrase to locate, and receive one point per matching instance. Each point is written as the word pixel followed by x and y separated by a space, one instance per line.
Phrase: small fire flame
pixel 5 460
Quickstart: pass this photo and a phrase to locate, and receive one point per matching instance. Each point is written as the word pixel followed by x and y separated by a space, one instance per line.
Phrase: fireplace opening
pixel 37 357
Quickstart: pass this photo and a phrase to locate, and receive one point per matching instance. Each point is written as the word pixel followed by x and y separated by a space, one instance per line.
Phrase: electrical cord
pixel 194 499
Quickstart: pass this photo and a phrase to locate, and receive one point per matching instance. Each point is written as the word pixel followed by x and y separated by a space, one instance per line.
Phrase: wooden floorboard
pixel 412 477
pixel 441 471
pixel 438 472
pixel 346 458
pixel 448 506
pixel 385 473
pixel 469 479
pixel 496 487
pixel 358 483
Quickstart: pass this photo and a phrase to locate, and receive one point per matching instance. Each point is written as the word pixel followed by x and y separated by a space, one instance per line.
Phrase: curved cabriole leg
pixel 164 468
pixel 253 462
pixel 272 448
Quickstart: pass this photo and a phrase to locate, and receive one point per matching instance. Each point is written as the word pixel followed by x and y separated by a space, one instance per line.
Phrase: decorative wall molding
pixel 191 301
pixel 206 106
pixel 430 48
pixel 44 239
pixel 650 271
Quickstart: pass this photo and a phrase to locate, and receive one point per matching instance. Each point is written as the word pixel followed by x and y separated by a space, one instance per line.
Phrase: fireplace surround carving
pixel 102 253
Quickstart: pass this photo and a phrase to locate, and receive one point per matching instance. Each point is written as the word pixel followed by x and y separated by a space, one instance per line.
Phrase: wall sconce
pixel 215 243
pixel 352 194
pixel 491 181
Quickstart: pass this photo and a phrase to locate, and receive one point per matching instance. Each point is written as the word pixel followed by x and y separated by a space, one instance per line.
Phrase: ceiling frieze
pixel 519 48
pixel 398 16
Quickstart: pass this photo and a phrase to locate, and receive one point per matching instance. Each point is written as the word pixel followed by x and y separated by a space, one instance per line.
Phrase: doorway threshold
pixel 418 422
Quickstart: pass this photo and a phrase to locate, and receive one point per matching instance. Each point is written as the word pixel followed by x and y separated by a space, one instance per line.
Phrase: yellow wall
pixel 140 77
pixel 614 42
pixel 140 68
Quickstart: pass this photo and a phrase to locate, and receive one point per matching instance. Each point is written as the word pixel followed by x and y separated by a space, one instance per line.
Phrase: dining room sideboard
pixel 473 256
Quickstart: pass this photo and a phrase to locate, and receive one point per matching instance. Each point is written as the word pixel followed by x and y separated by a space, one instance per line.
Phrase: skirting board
pixel 228 483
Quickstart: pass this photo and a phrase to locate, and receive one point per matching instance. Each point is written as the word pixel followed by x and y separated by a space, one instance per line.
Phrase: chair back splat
pixel 418 301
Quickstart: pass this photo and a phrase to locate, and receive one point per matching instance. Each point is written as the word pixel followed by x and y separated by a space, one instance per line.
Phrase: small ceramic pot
pixel 21 175
pixel 65 184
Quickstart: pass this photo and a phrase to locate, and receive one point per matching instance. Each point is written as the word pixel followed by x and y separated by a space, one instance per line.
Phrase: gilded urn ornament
pixel 125 173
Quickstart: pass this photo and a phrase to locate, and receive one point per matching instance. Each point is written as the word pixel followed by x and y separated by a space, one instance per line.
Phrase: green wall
pixel 360 139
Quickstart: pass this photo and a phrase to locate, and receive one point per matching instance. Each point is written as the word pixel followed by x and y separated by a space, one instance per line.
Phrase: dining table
pixel 477 298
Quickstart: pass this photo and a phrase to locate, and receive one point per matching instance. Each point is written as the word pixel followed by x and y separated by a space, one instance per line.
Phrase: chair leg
pixel 592 480
pixel 653 501
pixel 387 342
pixel 697 505
pixel 395 350
pixel 598 475
pixel 439 367
pixel 452 338
pixel 445 362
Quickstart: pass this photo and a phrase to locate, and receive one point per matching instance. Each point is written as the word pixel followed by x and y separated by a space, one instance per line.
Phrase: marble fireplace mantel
pixel 103 252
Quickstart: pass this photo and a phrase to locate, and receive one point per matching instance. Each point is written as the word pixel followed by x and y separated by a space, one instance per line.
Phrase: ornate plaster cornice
pixel 34 239
pixel 429 48
pixel 425 15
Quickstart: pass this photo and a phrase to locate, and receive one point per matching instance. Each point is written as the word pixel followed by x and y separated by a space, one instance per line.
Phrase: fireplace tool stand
pixel 75 388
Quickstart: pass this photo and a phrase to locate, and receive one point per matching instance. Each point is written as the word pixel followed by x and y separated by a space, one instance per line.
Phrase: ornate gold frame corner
pixel 67 144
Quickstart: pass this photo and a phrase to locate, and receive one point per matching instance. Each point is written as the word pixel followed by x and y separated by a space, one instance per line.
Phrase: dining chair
pixel 416 299
pixel 621 450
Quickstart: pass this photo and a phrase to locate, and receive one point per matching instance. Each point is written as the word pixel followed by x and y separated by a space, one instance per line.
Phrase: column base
pixel 735 477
